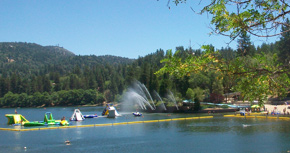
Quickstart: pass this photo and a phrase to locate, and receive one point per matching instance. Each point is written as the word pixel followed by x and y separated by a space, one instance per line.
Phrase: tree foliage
pixel 235 17
pixel 256 77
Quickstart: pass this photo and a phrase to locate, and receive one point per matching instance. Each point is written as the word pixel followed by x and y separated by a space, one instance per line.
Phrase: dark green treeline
pixel 32 75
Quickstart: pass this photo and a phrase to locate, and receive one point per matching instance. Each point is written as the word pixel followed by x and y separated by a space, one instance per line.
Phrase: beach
pixel 278 108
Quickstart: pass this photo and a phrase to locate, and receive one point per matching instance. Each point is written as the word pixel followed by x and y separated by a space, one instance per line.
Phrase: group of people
pixel 275 111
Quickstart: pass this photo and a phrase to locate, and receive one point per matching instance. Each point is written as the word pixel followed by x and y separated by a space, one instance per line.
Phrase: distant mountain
pixel 31 53
pixel 30 58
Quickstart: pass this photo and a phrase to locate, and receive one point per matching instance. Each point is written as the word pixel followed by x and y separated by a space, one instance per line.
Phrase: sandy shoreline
pixel 279 108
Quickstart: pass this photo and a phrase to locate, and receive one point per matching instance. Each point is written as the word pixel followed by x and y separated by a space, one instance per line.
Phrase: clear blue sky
pixel 127 28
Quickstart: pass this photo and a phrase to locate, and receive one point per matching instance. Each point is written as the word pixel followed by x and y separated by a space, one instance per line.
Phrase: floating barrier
pixel 151 121
pixel 264 117
pixel 120 123
pixel 192 118
pixel 65 127
pixel 165 120
pixel 284 118
pixel 178 119
pixel 135 122
pixel 89 125
pixel 108 124
pixel 206 117
pixel 261 117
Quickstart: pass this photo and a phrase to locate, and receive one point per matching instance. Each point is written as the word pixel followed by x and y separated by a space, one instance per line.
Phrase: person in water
pixel 63 118
pixel 67 142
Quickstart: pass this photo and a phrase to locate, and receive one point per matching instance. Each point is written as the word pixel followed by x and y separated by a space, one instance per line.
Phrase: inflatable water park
pixel 18 119
pixel 137 114
pixel 77 116
pixel 110 111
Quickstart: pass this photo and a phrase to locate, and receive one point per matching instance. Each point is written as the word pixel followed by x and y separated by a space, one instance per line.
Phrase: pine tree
pixel 3 87
pixel 196 106
pixel 284 44
pixel 164 86
pixel 13 83
pixel 245 46
pixel 145 74
pixel 46 84
pixel 57 85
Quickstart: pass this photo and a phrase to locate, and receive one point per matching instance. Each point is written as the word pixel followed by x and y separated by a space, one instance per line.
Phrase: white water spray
pixel 171 97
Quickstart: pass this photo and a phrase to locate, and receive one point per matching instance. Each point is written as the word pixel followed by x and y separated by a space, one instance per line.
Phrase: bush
pixel 196 106
pixel 224 106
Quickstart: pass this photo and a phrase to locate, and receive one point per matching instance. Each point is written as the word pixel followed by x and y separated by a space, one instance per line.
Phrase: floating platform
pixel 77 116
pixel 90 116
pixel 18 119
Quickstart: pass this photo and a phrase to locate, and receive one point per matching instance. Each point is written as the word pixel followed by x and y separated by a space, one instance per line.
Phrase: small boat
pixel 91 116
pixel 137 114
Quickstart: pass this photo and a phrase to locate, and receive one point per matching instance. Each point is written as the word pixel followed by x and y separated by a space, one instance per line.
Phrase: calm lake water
pixel 218 134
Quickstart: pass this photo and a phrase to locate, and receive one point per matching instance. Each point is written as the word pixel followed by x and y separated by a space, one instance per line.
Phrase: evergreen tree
pixel 245 46
pixel 227 53
pixel 19 85
pixel 32 85
pixel 3 87
pixel 130 77
pixel 13 83
pixel 196 106
pixel 57 85
pixel 92 82
pixel 39 84
pixel 284 44
pixel 145 74
pixel 113 86
pixel 77 70
pixel 164 86
pixel 100 81
pixel 46 84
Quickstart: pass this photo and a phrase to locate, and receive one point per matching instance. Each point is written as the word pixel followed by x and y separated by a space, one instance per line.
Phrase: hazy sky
pixel 127 28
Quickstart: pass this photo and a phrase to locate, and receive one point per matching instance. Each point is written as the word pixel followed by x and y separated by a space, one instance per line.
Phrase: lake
pixel 217 134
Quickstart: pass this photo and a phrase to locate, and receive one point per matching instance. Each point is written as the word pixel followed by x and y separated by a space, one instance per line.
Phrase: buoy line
pixel 107 124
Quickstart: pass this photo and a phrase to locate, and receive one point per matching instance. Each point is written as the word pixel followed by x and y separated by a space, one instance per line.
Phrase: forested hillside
pixel 33 70
pixel 25 58
pixel 34 75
